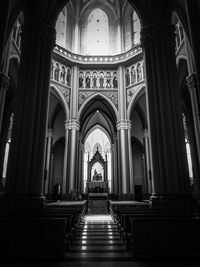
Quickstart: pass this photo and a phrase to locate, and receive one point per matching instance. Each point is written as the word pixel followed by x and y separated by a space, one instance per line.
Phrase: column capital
pixel 72 125
pixel 119 21
pixel 76 21
pixel 157 32
pixel 39 31
pixel 145 133
pixel 4 81
pixel 50 133
pixel 191 81
pixel 112 147
pixel 123 124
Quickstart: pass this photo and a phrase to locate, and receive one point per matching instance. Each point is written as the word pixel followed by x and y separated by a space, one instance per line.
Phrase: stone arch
pixel 97 126
pixel 60 96
pixel 101 96
pixel 133 101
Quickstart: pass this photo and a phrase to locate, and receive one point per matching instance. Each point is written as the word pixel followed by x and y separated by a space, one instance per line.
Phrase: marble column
pixel 147 161
pixel 130 159
pixel 114 177
pixel 123 126
pixel 73 128
pixel 24 185
pixel 169 161
pixel 66 160
pixel 192 86
pixel 81 168
pixel 48 160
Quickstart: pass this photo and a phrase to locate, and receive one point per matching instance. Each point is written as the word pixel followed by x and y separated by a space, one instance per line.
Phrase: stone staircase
pixel 97 239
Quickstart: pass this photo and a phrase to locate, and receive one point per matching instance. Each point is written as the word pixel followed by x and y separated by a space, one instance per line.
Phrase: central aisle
pixel 97 239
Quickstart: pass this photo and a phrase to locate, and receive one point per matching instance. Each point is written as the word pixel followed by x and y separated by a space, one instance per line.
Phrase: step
pixel 93 230
pixel 97 242
pixel 81 256
pixel 97 248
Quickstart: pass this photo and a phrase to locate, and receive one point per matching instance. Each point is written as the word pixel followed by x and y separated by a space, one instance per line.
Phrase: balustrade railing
pixel 98 59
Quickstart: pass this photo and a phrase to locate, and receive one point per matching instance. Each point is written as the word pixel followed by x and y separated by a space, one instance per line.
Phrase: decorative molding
pixel 123 125
pixel 76 21
pixel 134 73
pixel 61 73
pixel 131 92
pixel 83 96
pixel 96 60
pixel 72 125
pixel 113 96
pixel 191 81
pixel 145 133
pixel 66 94
pixel 98 79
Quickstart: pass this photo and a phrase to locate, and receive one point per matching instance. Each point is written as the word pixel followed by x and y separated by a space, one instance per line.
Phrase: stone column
pixel 81 168
pixel 122 93
pixel 88 169
pixel 169 162
pixel 48 160
pixel 73 128
pixel 66 162
pixel 4 83
pixel 130 159
pixel 123 127
pixel 114 177
pixel 147 161
pixel 26 162
pixel 192 86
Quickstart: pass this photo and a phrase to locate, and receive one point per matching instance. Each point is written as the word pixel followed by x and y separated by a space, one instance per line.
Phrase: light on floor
pixel 98 218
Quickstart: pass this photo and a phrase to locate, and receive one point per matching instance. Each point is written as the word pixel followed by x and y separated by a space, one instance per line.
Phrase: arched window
pixel 136 27
pixel 97 33
pixel 61 28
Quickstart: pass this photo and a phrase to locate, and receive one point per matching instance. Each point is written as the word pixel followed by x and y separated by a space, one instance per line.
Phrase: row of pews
pixel 46 232
pixel 154 232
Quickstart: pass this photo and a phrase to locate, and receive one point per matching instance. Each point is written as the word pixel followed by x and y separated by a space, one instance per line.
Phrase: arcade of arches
pixel 100 98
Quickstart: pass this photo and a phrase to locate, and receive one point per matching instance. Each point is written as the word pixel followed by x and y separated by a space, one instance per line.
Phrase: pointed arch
pixel 96 95
pixel 139 93
pixel 56 91
pixel 97 126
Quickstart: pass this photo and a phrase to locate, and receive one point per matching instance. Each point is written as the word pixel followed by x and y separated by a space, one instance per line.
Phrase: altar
pixel 97 181
pixel 97 187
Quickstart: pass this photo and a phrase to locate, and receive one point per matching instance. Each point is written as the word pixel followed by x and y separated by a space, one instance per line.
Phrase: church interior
pixel 100 133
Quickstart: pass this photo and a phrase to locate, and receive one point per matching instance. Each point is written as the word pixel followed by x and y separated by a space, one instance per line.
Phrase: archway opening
pixel 97 162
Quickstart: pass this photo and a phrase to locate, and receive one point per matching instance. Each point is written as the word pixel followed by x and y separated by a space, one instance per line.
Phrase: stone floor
pixel 98 244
